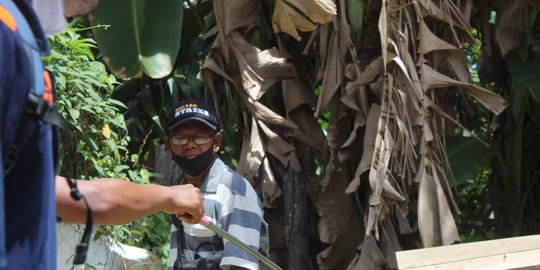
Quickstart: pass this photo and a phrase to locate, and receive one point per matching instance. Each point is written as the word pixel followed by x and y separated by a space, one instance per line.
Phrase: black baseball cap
pixel 189 110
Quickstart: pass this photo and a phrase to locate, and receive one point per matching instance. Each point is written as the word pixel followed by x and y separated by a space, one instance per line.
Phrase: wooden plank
pixel 518 260
pixel 507 253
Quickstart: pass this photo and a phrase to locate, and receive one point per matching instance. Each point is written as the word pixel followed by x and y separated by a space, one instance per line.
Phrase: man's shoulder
pixel 234 182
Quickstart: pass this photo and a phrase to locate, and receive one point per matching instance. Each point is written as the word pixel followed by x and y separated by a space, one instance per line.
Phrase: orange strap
pixel 7 19
pixel 48 89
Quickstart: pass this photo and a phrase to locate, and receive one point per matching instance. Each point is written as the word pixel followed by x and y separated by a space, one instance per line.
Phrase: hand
pixel 186 203
pixel 186 217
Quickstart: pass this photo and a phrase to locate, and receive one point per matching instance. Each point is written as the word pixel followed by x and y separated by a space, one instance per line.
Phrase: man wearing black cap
pixel 229 200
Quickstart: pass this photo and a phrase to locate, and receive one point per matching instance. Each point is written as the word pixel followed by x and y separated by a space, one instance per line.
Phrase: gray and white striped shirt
pixel 232 204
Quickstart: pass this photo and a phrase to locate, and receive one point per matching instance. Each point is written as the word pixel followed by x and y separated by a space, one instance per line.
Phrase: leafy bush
pixel 96 144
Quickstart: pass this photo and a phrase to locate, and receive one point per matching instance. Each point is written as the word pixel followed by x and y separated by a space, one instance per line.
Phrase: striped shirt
pixel 231 203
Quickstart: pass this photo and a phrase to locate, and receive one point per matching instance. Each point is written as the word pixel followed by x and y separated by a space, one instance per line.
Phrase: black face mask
pixel 196 165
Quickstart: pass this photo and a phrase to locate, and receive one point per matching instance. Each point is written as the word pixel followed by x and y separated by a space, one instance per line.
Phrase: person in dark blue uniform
pixel 28 147
pixel 27 222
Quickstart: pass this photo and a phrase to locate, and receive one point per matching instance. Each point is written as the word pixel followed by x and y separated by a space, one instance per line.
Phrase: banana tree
pixel 132 41
pixel 509 61
pixel 350 101
pixel 388 115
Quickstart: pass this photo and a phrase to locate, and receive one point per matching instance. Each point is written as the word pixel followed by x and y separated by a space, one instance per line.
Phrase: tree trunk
pixel 295 199
pixel 164 165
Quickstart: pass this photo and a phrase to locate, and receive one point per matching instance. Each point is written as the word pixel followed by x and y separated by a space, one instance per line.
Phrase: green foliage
pixel 506 192
pixel 467 157
pixel 149 100
pixel 144 35
pixel 521 73
pixel 513 186
pixel 475 220
pixel 152 230
pixel 355 15
pixel 96 144
pixel 232 138
pixel 470 161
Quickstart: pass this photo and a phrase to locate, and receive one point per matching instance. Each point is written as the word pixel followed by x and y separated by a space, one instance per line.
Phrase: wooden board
pixel 508 253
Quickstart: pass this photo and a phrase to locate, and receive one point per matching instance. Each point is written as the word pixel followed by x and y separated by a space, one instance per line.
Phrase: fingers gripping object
pixel 185 215
pixel 206 223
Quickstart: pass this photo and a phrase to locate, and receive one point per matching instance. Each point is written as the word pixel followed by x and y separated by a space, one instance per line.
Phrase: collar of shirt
pixel 214 175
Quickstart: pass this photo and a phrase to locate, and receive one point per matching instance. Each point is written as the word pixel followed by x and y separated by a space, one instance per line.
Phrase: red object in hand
pixel 185 215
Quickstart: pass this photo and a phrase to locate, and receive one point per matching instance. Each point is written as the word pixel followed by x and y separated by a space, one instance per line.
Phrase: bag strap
pixel 82 248
pixel 181 241
pixel 40 102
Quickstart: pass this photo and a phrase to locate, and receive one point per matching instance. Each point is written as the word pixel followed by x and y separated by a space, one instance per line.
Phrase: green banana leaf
pixel 535 4
pixel 138 36
pixel 147 102
pixel 355 15
pixel 525 73
pixel 467 157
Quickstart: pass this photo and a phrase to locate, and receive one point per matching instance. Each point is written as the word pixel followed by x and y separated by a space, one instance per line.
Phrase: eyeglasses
pixel 197 139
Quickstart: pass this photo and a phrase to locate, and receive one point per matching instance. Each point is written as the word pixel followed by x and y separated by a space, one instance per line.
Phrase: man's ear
pixel 217 142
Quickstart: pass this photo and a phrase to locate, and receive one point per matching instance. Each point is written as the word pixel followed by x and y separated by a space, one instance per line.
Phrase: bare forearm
pixel 118 201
